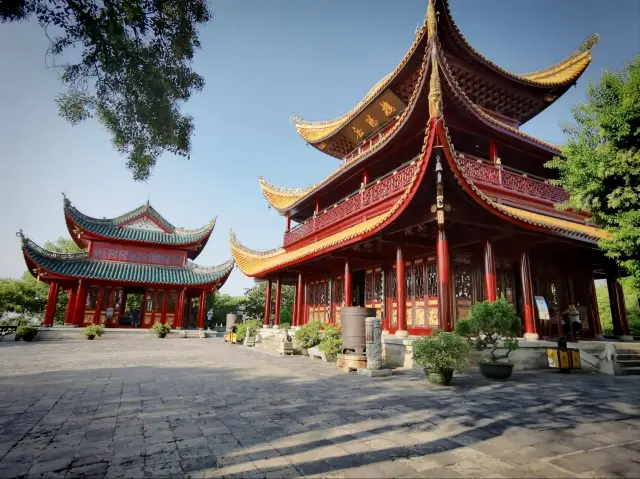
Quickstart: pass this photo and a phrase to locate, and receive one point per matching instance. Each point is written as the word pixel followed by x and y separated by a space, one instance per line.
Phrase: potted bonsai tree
pixel 92 331
pixel 161 330
pixel 26 332
pixel 487 326
pixel 440 355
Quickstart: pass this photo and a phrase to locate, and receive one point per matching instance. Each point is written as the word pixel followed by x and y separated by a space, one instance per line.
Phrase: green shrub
pixel 93 331
pixel 441 351
pixel 331 342
pixel 308 335
pixel 242 328
pixel 285 326
pixel 26 332
pixel 489 323
pixel 159 328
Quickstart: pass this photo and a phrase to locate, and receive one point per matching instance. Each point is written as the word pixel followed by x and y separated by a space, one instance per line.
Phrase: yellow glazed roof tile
pixel 281 198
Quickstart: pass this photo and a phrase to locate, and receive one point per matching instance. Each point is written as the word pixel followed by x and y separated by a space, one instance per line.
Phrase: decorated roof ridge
pixel 467 102
pixel 28 243
pixel 253 263
pixel 145 209
pixel 373 149
pixel 563 73
pixel 203 229
pixel 78 265
pixel 317 131
pixel 281 198
pixel 566 226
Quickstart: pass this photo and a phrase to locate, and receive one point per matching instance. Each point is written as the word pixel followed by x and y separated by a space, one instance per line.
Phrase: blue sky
pixel 262 61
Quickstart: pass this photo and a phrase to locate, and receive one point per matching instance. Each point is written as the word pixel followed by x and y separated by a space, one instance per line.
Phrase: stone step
pixel 635 352
pixel 623 357
pixel 629 363
pixel 633 371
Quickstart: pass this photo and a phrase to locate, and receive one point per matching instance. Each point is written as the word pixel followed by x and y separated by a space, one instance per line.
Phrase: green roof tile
pixel 112 228
pixel 78 265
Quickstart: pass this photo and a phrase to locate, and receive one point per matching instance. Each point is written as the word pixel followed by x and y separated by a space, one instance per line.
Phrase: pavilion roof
pixel 143 224
pixel 80 266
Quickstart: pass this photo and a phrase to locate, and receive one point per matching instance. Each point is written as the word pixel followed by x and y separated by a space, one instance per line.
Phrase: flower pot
pixel 496 370
pixel 438 376
pixel 91 336
pixel 28 337
pixel 162 335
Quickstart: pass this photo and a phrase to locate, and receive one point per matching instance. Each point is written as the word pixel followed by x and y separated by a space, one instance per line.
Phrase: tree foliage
pixel 631 301
pixel 131 68
pixel 257 296
pixel 600 164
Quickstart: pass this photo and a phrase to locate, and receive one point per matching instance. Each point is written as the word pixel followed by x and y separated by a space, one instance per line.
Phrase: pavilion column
pixel 294 313
pixel 81 303
pixel 288 221
pixel 299 300
pixel 348 288
pixel 490 286
pixel 401 295
pixel 617 304
pixel 527 298
pixel 98 311
pixel 201 308
pixel 444 283
pixel 52 300
pixel 180 312
pixel 276 318
pixel 267 306
pixel 189 307
pixel 594 309
pixel 123 305
pixel 71 304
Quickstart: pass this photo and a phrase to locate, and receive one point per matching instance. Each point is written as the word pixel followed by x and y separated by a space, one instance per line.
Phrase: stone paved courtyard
pixel 202 408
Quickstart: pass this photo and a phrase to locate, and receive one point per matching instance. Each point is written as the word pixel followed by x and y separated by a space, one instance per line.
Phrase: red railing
pixel 510 179
pixel 355 203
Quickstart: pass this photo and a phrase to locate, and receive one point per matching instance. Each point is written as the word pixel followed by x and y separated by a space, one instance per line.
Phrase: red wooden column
pixel 490 286
pixel 401 294
pixel 348 288
pixel 299 300
pixel 288 222
pixel 594 309
pixel 276 319
pixel 617 304
pixel 444 283
pixel 201 308
pixel 165 300
pixel 123 305
pixel 179 310
pixel 267 306
pixel 52 300
pixel 527 298
pixel 71 304
pixel 294 313
pixel 81 303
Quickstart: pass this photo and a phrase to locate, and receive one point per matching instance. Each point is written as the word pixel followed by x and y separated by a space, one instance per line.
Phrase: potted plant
pixel 161 330
pixel 308 336
pixel 331 343
pixel 440 355
pixel 488 324
pixel 26 332
pixel 247 331
pixel 92 331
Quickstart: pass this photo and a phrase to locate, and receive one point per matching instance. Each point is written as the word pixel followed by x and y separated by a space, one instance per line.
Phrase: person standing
pixel 135 316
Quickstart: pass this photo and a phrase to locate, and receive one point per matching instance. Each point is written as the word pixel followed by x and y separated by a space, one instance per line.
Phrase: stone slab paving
pixel 203 408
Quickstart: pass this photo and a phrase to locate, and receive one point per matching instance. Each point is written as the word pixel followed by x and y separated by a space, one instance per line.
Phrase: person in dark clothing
pixel 135 316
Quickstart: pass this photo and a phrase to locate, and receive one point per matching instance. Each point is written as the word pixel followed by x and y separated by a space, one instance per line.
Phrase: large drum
pixel 354 329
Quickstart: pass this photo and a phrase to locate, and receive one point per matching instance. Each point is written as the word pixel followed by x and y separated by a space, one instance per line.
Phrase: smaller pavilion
pixel 139 252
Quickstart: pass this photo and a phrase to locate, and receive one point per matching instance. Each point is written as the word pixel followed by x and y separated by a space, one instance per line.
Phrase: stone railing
pixel 356 203
pixel 511 179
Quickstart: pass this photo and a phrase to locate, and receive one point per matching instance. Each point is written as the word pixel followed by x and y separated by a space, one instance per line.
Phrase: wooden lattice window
pixel 463 281
pixel 432 280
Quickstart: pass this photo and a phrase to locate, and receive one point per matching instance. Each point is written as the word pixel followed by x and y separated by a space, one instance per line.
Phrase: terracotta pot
pixel 438 376
pixel 496 370
pixel 162 335
pixel 91 336
pixel 28 337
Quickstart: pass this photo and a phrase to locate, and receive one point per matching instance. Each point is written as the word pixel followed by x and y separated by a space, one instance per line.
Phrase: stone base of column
pixel 402 334
pixel 531 336
pixel 266 326
pixel 625 338
pixel 47 326
pixel 276 326
pixel 599 337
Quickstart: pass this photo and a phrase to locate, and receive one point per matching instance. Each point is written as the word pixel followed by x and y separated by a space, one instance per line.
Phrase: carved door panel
pixel 373 295
pixel 337 296
pixel 416 303
pixel 91 305
pixel 172 305
pixel 393 298
pixel 149 306
pixel 463 288
pixel 432 293
pixel 319 300
pixel 505 282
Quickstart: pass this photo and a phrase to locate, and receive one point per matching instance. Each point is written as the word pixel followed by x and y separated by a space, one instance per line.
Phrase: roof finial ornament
pixel 435 89
pixel 432 21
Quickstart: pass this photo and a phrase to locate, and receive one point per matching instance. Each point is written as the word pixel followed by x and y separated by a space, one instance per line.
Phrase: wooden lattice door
pixel 373 294
pixel 337 298
pixel 463 283
pixel 319 300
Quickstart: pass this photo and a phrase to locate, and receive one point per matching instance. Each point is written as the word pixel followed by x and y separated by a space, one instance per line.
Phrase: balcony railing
pixel 511 179
pixel 357 202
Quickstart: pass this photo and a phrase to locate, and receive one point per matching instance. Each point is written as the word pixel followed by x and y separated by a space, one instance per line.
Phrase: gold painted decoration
pixel 432 21
pixel 359 133
pixel 387 108
pixel 372 121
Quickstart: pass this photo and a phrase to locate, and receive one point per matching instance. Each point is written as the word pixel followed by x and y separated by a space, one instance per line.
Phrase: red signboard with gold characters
pixel 132 254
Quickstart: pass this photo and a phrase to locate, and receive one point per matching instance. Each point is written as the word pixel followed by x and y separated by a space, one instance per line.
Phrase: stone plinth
pixel 375 373
pixel 351 362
